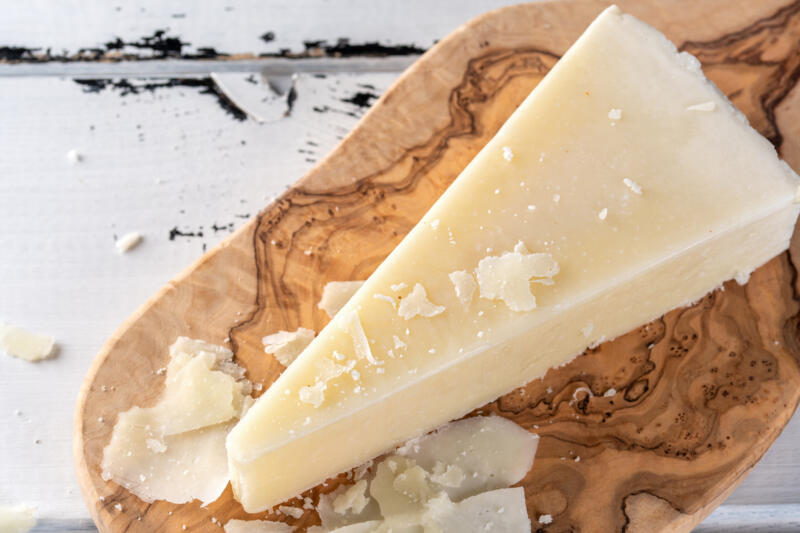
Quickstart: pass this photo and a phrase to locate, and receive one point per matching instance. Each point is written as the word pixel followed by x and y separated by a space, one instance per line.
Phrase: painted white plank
pixel 232 26
pixel 151 162
pixel 752 519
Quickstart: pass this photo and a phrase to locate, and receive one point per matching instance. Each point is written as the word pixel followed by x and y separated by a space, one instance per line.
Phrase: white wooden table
pixel 163 154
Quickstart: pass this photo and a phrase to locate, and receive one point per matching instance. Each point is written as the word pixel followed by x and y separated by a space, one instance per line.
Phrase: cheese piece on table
pixel 689 200
pixel 17 519
pixel 21 343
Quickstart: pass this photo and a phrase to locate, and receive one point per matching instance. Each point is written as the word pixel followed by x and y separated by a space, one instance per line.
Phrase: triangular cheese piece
pixel 624 186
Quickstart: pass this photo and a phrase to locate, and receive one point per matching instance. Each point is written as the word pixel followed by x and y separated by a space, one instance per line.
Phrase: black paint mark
pixel 126 87
pixel 251 79
pixel 14 54
pixel 367 86
pixel 161 45
pixel 291 98
pixel 226 227
pixel 344 48
pixel 361 99
pixel 245 215
pixel 175 232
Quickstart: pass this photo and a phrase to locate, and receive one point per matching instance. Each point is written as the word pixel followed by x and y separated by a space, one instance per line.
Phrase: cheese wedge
pixel 624 186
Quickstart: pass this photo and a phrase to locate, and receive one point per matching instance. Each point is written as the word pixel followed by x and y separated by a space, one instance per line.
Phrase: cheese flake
pixel 352 326
pixel 286 345
pixel 128 242
pixel 175 450
pixel 335 295
pixel 507 277
pixel 24 344
pixel 615 114
pixel 705 106
pixel 633 186
pixel 508 155
pixel 464 285
pixel 16 518
pixel 418 304
pixel 256 526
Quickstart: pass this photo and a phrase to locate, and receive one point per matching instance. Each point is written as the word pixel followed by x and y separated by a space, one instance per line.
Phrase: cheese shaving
pixel 286 346
pixel 175 450
pixel 335 295
pixel 464 285
pixel 257 526
pixel 17 519
pixel 507 277
pixel 352 326
pixel 24 344
pixel 418 304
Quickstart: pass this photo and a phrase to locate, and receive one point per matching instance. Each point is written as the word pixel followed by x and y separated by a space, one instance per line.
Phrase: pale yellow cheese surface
pixel 624 186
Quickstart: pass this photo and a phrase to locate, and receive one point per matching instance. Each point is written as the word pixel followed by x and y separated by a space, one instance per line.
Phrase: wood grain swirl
pixel 646 433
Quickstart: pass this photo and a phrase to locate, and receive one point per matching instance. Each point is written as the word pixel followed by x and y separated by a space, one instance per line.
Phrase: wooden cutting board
pixel 700 393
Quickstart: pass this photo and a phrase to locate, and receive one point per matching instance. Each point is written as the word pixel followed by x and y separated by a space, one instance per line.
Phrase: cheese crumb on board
pixel 24 344
pixel 615 114
pixel 257 526
pixel 464 285
pixel 545 519
pixel 507 277
pixel 128 242
pixel 353 499
pixel 418 304
pixel 335 294
pixel 175 450
pixel 633 186
pixel 705 106
pixel 603 213
pixel 17 518
pixel 286 346
pixel 288 510
pixel 451 480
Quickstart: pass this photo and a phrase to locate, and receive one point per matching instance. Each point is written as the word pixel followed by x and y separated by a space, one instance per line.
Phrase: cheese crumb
pixel 23 344
pixel 610 392
pixel 17 518
pixel 353 499
pixel 545 519
pixel 556 197
pixel 286 345
pixel 507 277
pixel 633 186
pixel 464 285
pixel 386 298
pixel 352 326
pixel 615 114
pixel 705 106
pixel 314 394
pixel 587 329
pixel 603 213
pixel 128 242
pixel 531 207
pixel 335 295
pixel 118 506
pixel 400 286
pixel 74 157
pixel 508 155
pixel 417 303
pixel 288 510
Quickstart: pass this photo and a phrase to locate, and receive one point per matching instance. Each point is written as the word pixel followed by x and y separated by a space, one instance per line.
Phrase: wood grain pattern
pixel 701 392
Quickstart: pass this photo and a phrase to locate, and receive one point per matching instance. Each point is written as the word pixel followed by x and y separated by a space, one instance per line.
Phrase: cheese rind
pixel 688 214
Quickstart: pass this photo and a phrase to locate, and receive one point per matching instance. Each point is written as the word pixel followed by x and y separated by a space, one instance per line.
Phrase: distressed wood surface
pixel 702 392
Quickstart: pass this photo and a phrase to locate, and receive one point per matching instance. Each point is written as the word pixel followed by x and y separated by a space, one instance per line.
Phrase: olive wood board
pixel 701 393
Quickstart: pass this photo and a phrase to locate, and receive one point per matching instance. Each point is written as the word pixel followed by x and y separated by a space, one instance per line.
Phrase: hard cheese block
pixel 624 186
